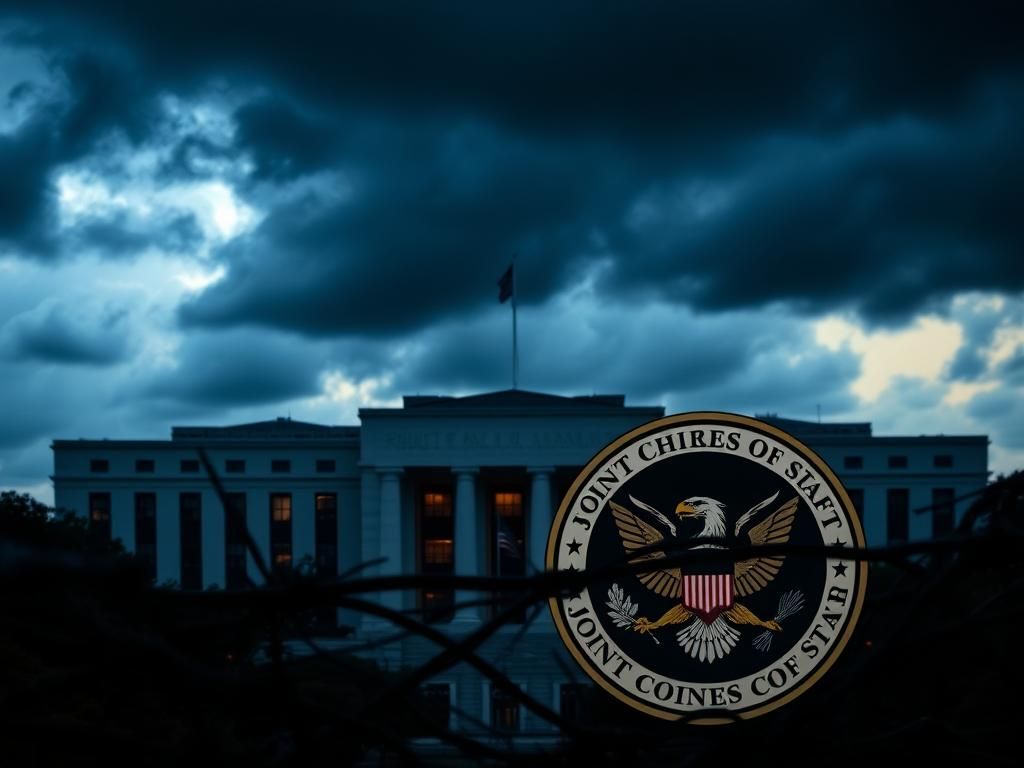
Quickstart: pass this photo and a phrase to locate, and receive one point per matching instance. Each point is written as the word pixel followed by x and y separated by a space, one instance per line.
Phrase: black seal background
pixel 739 483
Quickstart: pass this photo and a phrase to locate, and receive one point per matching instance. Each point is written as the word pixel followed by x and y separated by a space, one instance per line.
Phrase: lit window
pixel 99 516
pixel 509 504
pixel 436 533
pixel 509 526
pixel 281 507
pixel 437 505
pixel 437 551
pixel 281 529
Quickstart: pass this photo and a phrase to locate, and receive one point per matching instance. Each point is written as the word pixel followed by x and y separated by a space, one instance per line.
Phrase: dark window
pixel 190 465
pixel 190 508
pixel 853 462
pixel 897 515
pixel 280 466
pixel 234 465
pixel 504 711
pixel 509 537
pixel 943 461
pixel 857 497
pixel 281 529
pixel 234 542
pixel 145 465
pixel 572 701
pixel 943 511
pixel 99 465
pixel 897 462
pixel 325 465
pixel 99 516
pixel 326 534
pixel 437 555
pixel 437 700
pixel 145 533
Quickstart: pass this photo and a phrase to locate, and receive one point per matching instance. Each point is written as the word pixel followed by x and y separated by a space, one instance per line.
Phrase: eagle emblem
pixel 707 606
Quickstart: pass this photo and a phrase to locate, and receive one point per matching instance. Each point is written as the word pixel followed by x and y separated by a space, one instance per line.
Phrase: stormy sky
pixel 222 212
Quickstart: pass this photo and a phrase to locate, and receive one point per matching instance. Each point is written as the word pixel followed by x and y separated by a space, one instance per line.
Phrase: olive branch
pixel 791 602
pixel 623 609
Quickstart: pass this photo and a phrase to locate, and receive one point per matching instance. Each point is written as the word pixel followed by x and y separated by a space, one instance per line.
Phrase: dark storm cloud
pixel 420 228
pixel 54 333
pixel 284 143
pixel 238 368
pixel 650 68
pixel 657 354
pixel 884 220
pixel 103 94
pixel 864 156
pixel 25 161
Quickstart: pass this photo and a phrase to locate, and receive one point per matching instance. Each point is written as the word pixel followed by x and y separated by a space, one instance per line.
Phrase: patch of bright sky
pixel 124 182
pixel 922 350
pixel 342 397
pixel 218 210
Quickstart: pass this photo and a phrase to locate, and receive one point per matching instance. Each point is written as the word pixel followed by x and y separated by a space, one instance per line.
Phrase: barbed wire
pixel 924 572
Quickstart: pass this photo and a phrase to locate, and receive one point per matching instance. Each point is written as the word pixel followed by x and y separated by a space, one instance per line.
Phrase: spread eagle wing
pixel 752 575
pixel 636 534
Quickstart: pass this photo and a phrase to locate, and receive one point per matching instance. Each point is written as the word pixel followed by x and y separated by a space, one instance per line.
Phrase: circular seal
pixel 748 615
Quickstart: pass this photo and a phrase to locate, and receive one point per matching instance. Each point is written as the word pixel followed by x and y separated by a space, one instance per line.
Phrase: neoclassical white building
pixel 463 485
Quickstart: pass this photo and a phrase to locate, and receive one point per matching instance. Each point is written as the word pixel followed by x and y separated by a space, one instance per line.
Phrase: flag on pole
pixel 506 285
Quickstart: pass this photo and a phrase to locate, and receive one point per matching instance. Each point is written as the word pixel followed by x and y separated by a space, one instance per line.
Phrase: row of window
pixel 899 461
pixel 284 466
pixel 897 512
pixel 504 707
pixel 436 537
pixel 190 511
pixel 234 466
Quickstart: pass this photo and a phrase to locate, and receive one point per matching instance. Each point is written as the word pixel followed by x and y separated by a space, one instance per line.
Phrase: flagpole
pixel 515 338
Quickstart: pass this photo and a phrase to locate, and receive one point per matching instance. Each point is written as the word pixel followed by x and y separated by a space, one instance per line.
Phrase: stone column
pixel 537 535
pixel 540 515
pixel 468 559
pixel 391 531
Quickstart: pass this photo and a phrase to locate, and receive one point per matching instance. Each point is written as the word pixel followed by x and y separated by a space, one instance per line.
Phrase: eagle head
pixel 700 506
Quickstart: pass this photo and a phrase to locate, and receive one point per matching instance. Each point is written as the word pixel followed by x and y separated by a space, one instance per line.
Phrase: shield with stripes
pixel 707 594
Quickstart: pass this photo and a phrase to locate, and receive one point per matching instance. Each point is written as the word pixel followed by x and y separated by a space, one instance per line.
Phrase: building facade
pixel 449 485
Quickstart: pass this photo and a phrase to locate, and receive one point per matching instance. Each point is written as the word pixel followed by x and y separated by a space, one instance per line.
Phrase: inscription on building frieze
pixel 495 440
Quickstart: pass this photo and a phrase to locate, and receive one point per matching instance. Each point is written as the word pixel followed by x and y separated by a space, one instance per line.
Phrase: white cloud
pixel 921 351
